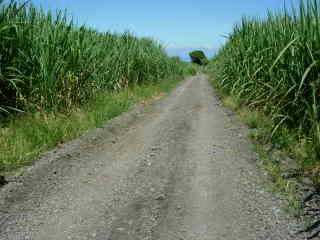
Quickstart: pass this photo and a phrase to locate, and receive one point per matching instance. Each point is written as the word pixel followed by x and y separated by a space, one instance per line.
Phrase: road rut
pixel 179 168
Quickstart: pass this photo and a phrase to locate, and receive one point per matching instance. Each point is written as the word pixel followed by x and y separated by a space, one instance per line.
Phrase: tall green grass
pixel 67 79
pixel 273 64
pixel 48 63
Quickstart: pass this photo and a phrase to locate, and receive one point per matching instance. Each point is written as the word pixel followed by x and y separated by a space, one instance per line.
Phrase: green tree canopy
pixel 198 57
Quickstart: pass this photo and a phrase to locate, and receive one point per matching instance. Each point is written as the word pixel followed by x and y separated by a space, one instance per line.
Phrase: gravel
pixel 178 168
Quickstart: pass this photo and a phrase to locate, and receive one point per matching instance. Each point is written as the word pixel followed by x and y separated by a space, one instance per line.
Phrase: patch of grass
pixel 231 102
pixel 284 188
pixel 23 139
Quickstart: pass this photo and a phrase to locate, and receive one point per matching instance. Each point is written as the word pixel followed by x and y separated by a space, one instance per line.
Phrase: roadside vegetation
pixel 198 57
pixel 23 139
pixel 58 79
pixel 269 71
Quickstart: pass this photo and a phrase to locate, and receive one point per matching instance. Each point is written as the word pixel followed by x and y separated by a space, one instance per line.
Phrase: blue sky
pixel 180 25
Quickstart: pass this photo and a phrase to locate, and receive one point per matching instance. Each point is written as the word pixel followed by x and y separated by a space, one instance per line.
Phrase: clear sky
pixel 179 24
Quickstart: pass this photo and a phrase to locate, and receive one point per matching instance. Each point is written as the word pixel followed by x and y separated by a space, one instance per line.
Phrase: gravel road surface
pixel 179 168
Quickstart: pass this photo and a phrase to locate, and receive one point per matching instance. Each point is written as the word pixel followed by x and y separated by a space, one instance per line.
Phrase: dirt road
pixel 177 169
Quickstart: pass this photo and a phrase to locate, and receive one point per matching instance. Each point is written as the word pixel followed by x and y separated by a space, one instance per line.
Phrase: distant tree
pixel 198 57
